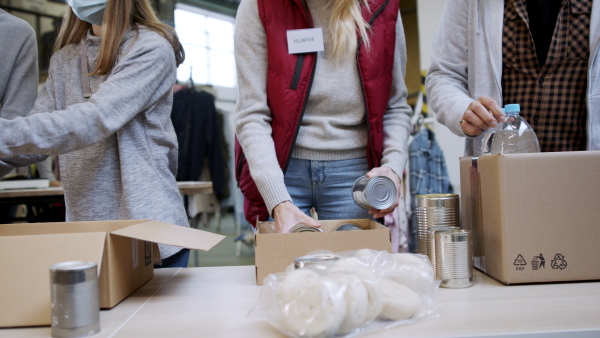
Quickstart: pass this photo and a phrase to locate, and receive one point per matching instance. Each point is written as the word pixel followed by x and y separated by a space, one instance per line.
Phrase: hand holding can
pixel 377 192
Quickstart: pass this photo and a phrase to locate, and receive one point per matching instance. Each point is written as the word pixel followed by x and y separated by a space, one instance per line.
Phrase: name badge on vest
pixel 305 40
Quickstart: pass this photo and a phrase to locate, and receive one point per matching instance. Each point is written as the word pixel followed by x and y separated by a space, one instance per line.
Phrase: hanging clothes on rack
pixel 226 154
pixel 398 222
pixel 428 173
pixel 196 124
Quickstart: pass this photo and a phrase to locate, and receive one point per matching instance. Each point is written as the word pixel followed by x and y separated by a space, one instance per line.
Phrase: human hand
pixel 386 171
pixel 482 114
pixel 287 215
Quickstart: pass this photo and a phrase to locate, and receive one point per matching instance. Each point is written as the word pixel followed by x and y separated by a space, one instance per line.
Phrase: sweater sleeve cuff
pixel 396 162
pixel 273 191
pixel 454 123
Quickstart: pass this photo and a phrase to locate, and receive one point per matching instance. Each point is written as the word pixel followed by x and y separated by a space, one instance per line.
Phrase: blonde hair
pixel 118 17
pixel 345 22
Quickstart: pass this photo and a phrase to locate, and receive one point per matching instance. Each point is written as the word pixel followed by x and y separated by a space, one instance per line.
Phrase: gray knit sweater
pixel 18 66
pixel 117 149
pixel 334 124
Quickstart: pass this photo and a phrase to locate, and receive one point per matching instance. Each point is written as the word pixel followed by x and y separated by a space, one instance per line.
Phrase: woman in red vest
pixel 322 101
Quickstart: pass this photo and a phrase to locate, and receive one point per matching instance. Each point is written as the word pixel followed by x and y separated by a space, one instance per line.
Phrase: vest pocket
pixel 297 72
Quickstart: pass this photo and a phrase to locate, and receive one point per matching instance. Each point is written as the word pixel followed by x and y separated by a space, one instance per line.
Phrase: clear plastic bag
pixel 364 291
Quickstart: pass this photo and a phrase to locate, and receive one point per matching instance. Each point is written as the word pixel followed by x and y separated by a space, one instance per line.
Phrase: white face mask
pixel 91 11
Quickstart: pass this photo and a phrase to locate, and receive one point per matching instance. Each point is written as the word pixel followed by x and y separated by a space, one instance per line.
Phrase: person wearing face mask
pixel 310 118
pixel 105 111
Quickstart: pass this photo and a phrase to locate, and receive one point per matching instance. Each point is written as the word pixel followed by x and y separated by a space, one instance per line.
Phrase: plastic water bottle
pixel 487 137
pixel 514 134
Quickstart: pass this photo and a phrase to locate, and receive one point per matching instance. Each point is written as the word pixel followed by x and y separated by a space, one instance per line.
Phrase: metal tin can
pixel 435 210
pixel 348 227
pixel 378 192
pixel 317 259
pixel 74 298
pixel 431 244
pixel 454 256
pixel 301 227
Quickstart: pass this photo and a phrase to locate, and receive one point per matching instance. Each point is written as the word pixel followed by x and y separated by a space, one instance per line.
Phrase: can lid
pixel 453 236
pixel 381 192
pixel 303 261
pixel 437 200
pixel 437 196
pixel 442 228
pixel 73 266
pixel 73 272
pixel 301 227
pixel 348 227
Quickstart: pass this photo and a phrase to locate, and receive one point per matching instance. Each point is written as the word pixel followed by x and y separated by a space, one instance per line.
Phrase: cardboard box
pixel 535 217
pixel 274 252
pixel 124 251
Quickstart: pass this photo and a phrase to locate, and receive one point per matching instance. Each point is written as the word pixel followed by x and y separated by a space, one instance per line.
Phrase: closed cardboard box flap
pixel 25 273
pixel 170 234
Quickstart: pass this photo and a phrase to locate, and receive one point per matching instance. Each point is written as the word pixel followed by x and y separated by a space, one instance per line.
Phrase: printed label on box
pixel 134 253
pixel 147 253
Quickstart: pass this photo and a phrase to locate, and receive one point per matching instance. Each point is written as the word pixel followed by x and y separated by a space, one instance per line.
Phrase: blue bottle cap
pixel 512 108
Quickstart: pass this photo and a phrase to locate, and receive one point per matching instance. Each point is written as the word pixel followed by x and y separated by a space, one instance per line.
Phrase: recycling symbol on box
pixel 559 262
pixel 520 261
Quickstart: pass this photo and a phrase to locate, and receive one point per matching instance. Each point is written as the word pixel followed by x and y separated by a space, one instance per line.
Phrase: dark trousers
pixel 178 260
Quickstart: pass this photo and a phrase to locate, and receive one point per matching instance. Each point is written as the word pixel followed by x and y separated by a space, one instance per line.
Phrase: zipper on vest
pixel 307 12
pixel 300 60
pixel 312 76
pixel 295 82
pixel 297 72
pixel 362 84
pixel 240 166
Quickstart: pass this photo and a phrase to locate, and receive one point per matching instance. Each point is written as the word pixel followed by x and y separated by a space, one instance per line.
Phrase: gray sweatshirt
pixel 118 148
pixel 18 68
pixel 334 124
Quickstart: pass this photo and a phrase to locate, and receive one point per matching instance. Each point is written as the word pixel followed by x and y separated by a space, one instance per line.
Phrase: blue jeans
pixel 178 260
pixel 326 186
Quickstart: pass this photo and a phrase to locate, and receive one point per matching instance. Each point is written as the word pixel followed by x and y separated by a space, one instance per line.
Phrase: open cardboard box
pixel 125 252
pixel 535 217
pixel 274 252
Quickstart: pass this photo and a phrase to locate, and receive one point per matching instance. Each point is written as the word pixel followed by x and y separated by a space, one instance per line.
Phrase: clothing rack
pixel 192 85
pixel 419 118
pixel 191 79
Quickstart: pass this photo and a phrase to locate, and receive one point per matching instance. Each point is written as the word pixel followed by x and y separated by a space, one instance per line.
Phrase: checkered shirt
pixel 552 97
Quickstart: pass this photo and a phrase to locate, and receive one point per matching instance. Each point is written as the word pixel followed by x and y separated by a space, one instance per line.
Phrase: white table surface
pixel 214 302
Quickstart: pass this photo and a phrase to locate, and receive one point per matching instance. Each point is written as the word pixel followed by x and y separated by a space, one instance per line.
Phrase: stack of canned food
pixel 440 238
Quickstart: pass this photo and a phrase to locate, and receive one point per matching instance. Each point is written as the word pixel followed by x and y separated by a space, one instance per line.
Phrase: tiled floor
pixel 228 252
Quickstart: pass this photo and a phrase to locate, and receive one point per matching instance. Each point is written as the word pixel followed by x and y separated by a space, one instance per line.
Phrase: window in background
pixel 208 42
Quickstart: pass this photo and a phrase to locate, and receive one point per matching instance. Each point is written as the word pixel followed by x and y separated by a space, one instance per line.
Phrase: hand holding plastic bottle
pixel 482 114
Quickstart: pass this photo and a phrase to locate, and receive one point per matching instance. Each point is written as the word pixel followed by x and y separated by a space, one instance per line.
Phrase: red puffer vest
pixel 290 76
